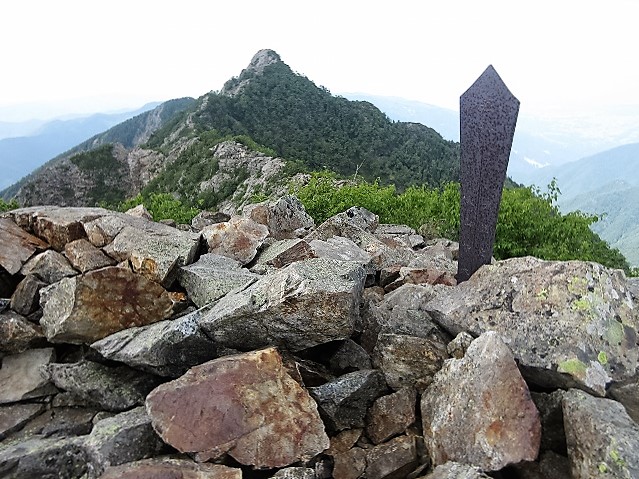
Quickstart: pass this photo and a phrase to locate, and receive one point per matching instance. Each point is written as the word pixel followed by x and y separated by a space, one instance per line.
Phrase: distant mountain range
pixel 27 145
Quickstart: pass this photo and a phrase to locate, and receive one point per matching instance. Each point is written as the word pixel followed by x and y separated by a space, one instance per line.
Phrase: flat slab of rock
pixel 212 276
pixel 16 246
pixel 111 388
pixel 580 319
pixel 602 439
pixel 239 238
pixel 166 348
pixel 246 405
pixel 478 410
pixel 21 377
pixel 308 303
pixel 14 416
pixel 86 308
pixel 168 468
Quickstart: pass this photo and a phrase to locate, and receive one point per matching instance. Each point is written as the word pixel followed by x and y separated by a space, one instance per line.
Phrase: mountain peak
pixel 259 62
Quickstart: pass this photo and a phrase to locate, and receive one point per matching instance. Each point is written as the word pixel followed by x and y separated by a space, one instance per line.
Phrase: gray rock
pixel 169 468
pixel 26 298
pixel 285 217
pixel 21 377
pixel 395 458
pixel 627 393
pixel 15 416
pixel 86 308
pixel 154 250
pixel 343 249
pixel 348 357
pixel 59 422
pixel 167 348
pixel 246 405
pixel 111 388
pixel 140 211
pixel 207 218
pixel 391 415
pixel 308 303
pixel 478 409
pixel 49 266
pixel 295 473
pixel 284 252
pixel 17 334
pixel 213 276
pixel 239 238
pixel 459 345
pixel 86 257
pixel 455 470
pixel 16 246
pixel 568 323
pixel 344 401
pixel 126 437
pixel 50 458
pixel 408 361
pixel 602 439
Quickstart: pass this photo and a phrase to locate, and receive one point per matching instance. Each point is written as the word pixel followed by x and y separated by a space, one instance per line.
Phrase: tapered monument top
pixel 488 115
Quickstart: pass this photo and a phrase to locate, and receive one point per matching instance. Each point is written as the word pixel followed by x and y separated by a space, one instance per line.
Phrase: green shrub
pixel 8 205
pixel 162 206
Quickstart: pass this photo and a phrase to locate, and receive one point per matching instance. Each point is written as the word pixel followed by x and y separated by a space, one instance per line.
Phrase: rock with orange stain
pixel 245 405
pixel 89 307
pixel 478 409
pixel 166 467
pixel 239 238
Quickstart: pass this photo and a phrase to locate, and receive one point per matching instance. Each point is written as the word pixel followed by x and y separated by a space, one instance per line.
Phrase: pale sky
pixel 559 57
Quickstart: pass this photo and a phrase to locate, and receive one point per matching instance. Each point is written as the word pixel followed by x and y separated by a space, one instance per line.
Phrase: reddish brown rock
pixel 169 468
pixel 350 464
pixel 17 334
pixel 239 238
pixel 244 405
pixel 86 257
pixel 391 415
pixel 393 459
pixel 16 246
pixel 86 308
pixel 478 409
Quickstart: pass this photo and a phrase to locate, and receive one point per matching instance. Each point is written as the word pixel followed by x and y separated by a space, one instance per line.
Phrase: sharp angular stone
pixel 602 439
pixel 627 393
pixel 295 473
pixel 455 470
pixel 348 357
pixel 246 405
pixel 16 246
pixel 343 249
pixel 13 417
pixel 123 438
pixel 154 250
pixel 213 276
pixel 49 266
pixel 170 468
pixel 21 377
pixel 26 298
pixel 308 303
pixel 408 360
pixel 350 464
pixel 111 388
pixel 285 217
pixel 59 422
pixel 344 401
pixel 57 225
pixel 86 308
pixel 394 459
pixel 207 218
pixel 285 252
pixel 166 348
pixel 459 345
pixel 391 415
pixel 478 409
pixel 86 257
pixel 140 211
pixel 51 458
pixel 239 238
pixel 17 334
pixel 569 324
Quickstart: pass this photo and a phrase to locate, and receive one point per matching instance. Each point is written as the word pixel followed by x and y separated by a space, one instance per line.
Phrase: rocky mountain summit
pixel 263 345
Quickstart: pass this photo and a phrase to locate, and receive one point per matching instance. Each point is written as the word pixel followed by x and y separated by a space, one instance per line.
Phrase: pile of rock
pixel 264 346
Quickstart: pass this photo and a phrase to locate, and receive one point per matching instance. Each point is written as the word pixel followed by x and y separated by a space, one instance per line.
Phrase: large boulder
pixel 239 238
pixel 16 246
pixel 478 409
pixel 285 217
pixel 308 303
pixel 86 308
pixel 244 405
pixel 569 324
pixel 602 439
pixel 49 266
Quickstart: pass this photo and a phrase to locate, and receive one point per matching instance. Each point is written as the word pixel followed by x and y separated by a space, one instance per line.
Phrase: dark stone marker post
pixel 488 115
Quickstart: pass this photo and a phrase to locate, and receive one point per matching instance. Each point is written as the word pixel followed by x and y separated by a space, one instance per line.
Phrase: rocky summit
pixel 263 345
